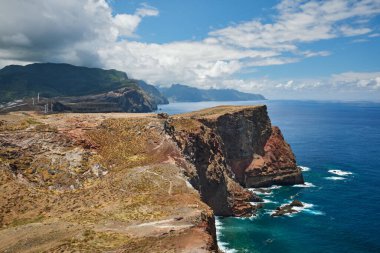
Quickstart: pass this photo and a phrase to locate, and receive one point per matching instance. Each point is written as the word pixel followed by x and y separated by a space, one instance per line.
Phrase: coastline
pixel 177 171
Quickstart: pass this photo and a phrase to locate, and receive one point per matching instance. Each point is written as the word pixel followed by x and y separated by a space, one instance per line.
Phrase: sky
pixel 283 49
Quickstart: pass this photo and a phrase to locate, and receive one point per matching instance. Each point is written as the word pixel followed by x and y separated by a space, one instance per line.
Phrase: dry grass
pixel 186 124
pixel 124 143
pixel 138 188
pixel 24 221
pixel 217 111
pixel 92 241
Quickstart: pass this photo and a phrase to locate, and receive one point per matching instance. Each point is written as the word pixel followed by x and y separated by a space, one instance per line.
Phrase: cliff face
pixel 254 151
pixel 228 144
pixel 133 182
pixel 276 166
pixel 203 148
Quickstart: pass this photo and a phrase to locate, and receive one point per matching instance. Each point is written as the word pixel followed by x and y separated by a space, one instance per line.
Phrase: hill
pixel 184 93
pixel 62 81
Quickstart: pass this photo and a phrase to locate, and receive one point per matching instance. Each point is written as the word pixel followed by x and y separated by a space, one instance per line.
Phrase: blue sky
pixel 283 49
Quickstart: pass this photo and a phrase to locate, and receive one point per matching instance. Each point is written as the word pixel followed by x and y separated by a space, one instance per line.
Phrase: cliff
pixel 153 93
pixel 255 151
pixel 133 182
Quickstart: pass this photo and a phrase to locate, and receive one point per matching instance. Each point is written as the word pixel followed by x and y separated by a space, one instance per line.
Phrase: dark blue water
pixel 342 211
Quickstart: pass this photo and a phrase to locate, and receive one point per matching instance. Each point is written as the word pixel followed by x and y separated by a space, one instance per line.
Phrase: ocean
pixel 338 146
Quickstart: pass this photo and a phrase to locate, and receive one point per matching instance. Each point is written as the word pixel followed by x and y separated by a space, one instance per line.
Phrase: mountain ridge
pixel 63 82
pixel 184 93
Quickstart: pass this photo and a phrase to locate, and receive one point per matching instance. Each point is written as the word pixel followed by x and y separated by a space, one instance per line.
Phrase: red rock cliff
pixel 229 144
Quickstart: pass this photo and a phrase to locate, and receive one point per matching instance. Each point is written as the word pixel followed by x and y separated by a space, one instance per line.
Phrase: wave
pixel 258 192
pixel 308 208
pixel 264 201
pixel 273 187
pixel 268 201
pixel 223 246
pixel 304 168
pixel 340 172
pixel 335 178
pixel 305 185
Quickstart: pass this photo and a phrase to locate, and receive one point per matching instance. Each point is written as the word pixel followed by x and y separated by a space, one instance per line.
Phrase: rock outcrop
pixel 277 165
pixel 287 209
pixel 255 151
pixel 230 144
pixel 203 148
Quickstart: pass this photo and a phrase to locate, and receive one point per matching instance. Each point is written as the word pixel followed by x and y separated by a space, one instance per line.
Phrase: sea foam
pixel 258 192
pixel 223 246
pixel 335 178
pixel 305 185
pixel 304 168
pixel 340 172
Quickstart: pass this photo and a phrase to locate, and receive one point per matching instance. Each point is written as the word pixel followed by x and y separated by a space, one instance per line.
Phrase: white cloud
pixel 370 80
pixel 252 44
pixel 350 31
pixel 70 31
pixel 374 35
pixel 127 24
pixel 300 21
pixel 85 32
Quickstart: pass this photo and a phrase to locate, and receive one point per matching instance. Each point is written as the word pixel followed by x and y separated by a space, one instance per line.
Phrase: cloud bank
pixel 86 32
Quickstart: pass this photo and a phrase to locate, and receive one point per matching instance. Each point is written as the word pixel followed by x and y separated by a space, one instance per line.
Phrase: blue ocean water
pixel 342 210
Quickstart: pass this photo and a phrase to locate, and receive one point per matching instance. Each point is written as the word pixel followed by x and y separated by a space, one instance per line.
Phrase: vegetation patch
pixel 125 143
pixel 24 221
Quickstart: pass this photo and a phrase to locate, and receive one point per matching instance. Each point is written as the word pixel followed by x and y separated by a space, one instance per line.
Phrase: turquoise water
pixel 342 209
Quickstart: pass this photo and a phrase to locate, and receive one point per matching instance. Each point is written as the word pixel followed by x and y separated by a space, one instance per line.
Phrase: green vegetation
pixel 65 80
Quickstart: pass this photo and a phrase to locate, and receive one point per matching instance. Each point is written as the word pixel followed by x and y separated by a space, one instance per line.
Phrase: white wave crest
pixel 305 185
pixel 340 172
pixel 273 187
pixel 258 192
pixel 335 178
pixel 222 245
pixel 264 201
pixel 304 168
pixel 269 201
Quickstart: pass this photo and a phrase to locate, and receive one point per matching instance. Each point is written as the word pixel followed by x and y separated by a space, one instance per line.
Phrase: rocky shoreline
pixel 140 182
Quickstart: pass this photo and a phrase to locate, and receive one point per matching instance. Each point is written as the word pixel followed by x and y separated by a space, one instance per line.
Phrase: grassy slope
pixel 58 80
